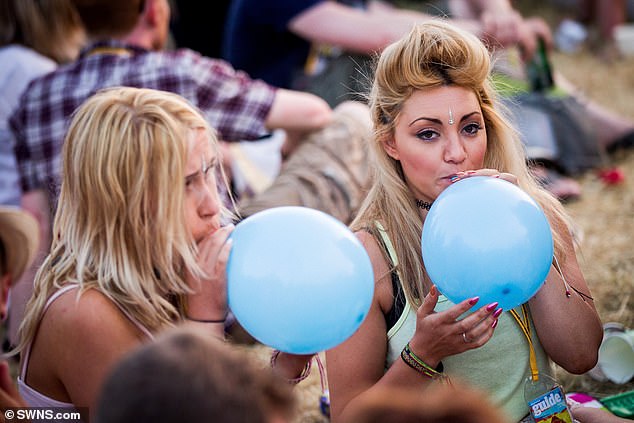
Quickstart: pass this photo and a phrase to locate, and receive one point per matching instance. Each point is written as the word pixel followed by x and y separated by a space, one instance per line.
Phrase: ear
pixel 151 12
pixel 389 145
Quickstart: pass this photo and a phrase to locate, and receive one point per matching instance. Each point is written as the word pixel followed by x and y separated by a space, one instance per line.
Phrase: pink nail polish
pixel 497 313
pixel 495 323
pixel 491 306
pixel 474 300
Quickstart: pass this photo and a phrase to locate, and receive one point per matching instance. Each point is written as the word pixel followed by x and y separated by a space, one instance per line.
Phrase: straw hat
pixel 20 236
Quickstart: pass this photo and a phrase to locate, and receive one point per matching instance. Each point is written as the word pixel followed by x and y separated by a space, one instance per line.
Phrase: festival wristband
pixel 416 363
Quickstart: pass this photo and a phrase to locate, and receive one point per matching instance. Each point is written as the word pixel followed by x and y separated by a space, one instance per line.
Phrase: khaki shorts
pixel 328 171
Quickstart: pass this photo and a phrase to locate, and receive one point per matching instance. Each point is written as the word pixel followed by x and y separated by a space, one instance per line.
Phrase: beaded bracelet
pixel 303 375
pixel 416 363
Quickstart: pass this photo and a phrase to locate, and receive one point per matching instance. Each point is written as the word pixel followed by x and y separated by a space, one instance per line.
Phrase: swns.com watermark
pixel 42 414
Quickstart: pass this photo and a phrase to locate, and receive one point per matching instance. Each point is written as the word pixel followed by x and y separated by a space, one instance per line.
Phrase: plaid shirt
pixel 235 105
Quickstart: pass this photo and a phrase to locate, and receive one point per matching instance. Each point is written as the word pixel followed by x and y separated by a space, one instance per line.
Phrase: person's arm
pixel 298 111
pixel 504 26
pixel 584 414
pixel 242 108
pixel 356 367
pixel 569 328
pixel 357 30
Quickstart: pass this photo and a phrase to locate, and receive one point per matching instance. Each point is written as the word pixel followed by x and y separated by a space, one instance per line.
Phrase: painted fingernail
pixel 496 176
pixel 497 313
pixel 491 306
pixel 494 324
pixel 474 300
pixel 454 178
pixel 471 172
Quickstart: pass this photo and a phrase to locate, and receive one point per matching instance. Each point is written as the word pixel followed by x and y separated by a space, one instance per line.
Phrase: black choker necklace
pixel 424 204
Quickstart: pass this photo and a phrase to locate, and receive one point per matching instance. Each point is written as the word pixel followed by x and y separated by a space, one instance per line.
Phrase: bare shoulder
pixel 79 339
pixel 82 316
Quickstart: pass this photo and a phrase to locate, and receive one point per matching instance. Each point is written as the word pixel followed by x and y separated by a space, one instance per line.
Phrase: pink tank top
pixel 35 398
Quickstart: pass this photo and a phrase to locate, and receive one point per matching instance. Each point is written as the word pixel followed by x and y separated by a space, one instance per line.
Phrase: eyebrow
pixel 439 122
pixel 205 165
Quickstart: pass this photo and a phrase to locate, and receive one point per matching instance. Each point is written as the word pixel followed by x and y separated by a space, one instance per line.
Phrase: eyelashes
pixel 470 129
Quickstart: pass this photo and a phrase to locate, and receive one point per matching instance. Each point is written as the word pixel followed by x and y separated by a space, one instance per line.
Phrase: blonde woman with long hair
pixel 138 243
pixel 436 121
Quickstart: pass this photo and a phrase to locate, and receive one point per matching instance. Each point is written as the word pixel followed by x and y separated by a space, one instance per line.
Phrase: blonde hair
pixel 53 28
pixel 435 54
pixel 120 225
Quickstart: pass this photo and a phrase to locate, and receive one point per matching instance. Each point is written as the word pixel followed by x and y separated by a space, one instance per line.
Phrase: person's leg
pixel 612 126
pixel 328 171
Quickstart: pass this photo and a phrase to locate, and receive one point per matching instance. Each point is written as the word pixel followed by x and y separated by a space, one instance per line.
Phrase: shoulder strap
pixel 27 352
pixel 399 295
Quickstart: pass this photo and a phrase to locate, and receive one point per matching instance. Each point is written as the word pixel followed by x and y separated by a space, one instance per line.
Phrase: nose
pixel 209 204
pixel 454 151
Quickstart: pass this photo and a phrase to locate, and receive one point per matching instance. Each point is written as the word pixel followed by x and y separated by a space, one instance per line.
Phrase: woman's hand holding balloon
pixel 494 173
pixel 441 334
pixel 209 300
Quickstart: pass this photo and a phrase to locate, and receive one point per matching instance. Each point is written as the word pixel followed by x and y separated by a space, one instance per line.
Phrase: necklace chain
pixel 423 204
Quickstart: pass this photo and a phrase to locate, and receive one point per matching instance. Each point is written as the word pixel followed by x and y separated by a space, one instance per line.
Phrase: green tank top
pixel 499 367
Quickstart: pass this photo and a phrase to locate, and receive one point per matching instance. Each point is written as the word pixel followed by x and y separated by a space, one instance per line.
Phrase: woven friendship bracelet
pixel 416 363
pixel 303 375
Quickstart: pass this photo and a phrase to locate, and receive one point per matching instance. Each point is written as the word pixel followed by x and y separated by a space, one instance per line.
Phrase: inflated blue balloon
pixel 298 279
pixel 486 237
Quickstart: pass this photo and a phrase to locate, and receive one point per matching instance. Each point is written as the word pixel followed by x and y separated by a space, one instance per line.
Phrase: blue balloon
pixel 486 237
pixel 298 280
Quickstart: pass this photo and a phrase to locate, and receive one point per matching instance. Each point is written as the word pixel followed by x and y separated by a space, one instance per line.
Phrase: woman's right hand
pixel 209 300
pixel 441 334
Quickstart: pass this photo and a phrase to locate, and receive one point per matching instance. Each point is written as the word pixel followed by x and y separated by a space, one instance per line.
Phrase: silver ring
pixel 464 338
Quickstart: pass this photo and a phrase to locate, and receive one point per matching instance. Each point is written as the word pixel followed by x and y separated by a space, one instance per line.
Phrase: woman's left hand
pixel 494 173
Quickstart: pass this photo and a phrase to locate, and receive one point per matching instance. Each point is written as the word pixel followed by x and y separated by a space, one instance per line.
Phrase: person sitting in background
pixel 186 377
pixel 35 36
pixel 18 245
pixel 436 121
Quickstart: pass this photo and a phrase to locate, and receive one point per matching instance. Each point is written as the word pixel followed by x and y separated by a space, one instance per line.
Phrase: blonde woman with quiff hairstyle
pixel 138 245
pixel 400 70
pixel 436 120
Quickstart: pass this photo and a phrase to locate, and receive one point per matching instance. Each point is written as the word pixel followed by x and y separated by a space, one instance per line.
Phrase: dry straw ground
pixel 604 215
